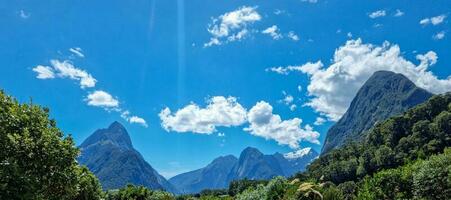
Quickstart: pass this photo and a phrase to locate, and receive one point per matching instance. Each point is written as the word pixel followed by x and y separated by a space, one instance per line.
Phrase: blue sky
pixel 274 68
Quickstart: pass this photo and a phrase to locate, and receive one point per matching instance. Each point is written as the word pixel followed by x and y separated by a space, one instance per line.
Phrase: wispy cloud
pixel 24 15
pixel 398 13
pixel 376 14
pixel 77 51
pixel 440 35
pixel 293 36
pixel 274 32
pixel 65 69
pixel 433 20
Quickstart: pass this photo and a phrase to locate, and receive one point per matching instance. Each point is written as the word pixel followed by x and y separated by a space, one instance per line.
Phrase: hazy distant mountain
pixel 213 176
pixel 252 164
pixel 109 154
pixel 383 95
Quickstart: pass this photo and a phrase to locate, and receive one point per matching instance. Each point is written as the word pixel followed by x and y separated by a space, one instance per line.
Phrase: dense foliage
pixel 131 192
pixel 36 160
pixel 420 132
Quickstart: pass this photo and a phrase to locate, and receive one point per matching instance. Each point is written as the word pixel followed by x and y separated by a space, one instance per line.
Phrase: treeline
pixel 404 157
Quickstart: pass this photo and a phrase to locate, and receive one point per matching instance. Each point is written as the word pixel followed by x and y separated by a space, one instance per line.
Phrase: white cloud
pixel 77 51
pixel 264 123
pixel 376 14
pixel 398 13
pixel 220 111
pixel 293 107
pixel 306 68
pixel 293 36
pixel 44 72
pixel 299 88
pixel 319 121
pixel 103 99
pixel 440 35
pixel 288 99
pixel 333 88
pixel 433 20
pixel 133 119
pixel 65 69
pixel 221 135
pixel 23 14
pixel 232 25
pixel 273 31
pixel 349 35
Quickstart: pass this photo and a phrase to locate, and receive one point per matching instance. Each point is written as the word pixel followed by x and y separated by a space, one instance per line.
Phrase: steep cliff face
pixel 383 95
pixel 110 155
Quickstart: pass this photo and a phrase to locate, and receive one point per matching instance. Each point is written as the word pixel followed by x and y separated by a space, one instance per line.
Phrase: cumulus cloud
pixel 220 111
pixel 227 112
pixel 77 51
pixel 293 36
pixel 273 31
pixel 103 99
pixel 433 20
pixel 263 123
pixel 332 89
pixel 440 35
pixel 232 26
pixel 65 69
pixel 44 72
pixel 133 119
pixel 376 14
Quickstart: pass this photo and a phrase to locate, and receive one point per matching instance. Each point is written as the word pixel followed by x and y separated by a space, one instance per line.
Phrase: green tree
pixel 36 160
pixel 432 178
pixel 88 187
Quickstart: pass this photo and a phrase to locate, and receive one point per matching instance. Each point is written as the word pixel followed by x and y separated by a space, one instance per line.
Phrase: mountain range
pixel 252 164
pixel 110 155
pixel 383 95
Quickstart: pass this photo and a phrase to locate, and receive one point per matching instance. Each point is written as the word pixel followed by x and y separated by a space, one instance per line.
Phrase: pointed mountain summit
pixel 253 164
pixel 213 176
pixel 110 155
pixel 383 95
pixel 115 133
